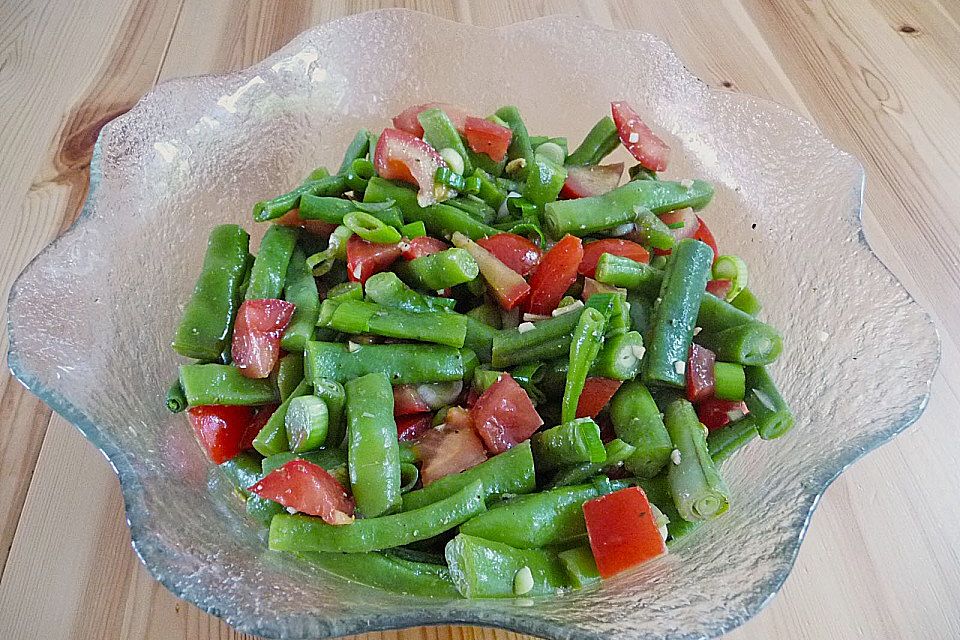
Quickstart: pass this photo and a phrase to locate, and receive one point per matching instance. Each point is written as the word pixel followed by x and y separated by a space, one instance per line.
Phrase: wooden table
pixel 880 77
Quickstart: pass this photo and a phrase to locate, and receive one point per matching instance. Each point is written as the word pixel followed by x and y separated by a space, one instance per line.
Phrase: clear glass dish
pixel 92 317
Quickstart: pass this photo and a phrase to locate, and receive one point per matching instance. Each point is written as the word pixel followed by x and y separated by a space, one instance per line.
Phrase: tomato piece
pixel 719 288
pixel 622 530
pixel 704 235
pixel 407 400
pixel 422 246
pixel 508 286
pixel 616 246
pixel 407 120
pixel 403 156
pixel 259 422
pixel 367 258
pixel 487 137
pixel 595 396
pixel 515 251
pixel 448 450
pixel 642 143
pixel 318 227
pixel 715 413
pixel 554 275
pixel 700 378
pixel 504 415
pixel 591 180
pixel 220 429
pixel 309 489
pixel 410 427
pixel 256 335
pixel 458 417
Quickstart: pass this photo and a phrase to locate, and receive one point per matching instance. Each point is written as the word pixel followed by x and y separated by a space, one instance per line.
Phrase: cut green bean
pixel 440 133
pixel 725 441
pixel 512 346
pixel 269 271
pixel 697 488
pixel 176 401
pixel 289 374
pixel 580 566
pixel 585 344
pixel 373 451
pixel 441 327
pixel 413 230
pixel 243 471
pixel 272 438
pixel 335 397
pixel 617 452
pixel 388 572
pixel 767 407
pixel 520 147
pixel 747 302
pixel 439 270
pixel 223 384
pixel 370 229
pixel 618 271
pixel 599 142
pixel 486 569
pixel 306 423
pixel 276 207
pixel 488 190
pixel 386 289
pixel 753 343
pixel 568 444
pixel 637 421
pixel 545 179
pixel 620 358
pixel 479 338
pixel 729 381
pixel 356 149
pixel 653 231
pixel 300 289
pixel 402 363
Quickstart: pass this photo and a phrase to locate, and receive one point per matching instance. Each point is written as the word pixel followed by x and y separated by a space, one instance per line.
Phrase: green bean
pixel 620 358
pixel 176 401
pixel 317 174
pixel 223 384
pixel 370 228
pixel 747 302
pixel 304 533
pixel 356 149
pixel 511 346
pixel 640 172
pixel 600 141
pixel 641 312
pixel 439 133
pixel 509 472
pixel 409 476
pixel 208 317
pixel 272 438
pixel 729 381
pixel 243 471
pixel 269 271
pixel 725 441
pixel 301 291
pixel 585 344
pixel 653 231
pixel 333 210
pixel 489 191
pixel 274 208
pixel 289 374
pixel 520 142
pixel 675 314
pixel 767 407
pixel 658 493
pixel 327 457
pixel 528 376
pixel 545 179
pixel 413 230
pixel 335 397
pixel 483 379
pixel 617 452
pixel 439 219
pixel 402 363
pixel 479 338
pixel 486 569
pixel 716 315
pixel 306 422
pixel 362 168
pixel 477 208
pixel 388 572
pixel 697 488
pixel 752 343
pixel 263 510
pixel 386 289
pixel 439 270
pixel 618 271
pixel 568 444
pixel 637 420
pixel 441 327
pixel 374 455
pixel 586 216
pixel 488 313
pixel 580 566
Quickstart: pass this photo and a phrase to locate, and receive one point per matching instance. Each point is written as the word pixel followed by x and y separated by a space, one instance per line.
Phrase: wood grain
pixel 880 77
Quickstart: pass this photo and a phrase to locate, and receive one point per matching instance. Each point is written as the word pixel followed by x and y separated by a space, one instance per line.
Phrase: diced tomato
pixel 256 335
pixel 367 258
pixel 591 180
pixel 504 415
pixel 407 400
pixel 448 450
pixel 407 120
pixel 422 246
pixel 470 396
pixel 700 378
pixel 715 413
pixel 508 286
pixel 616 246
pixel 410 427
pixel 595 396
pixel 556 272
pixel 515 251
pixel 719 288
pixel 683 223
pixel 642 143
pixel 259 422
pixel 704 235
pixel 622 530
pixel 487 137
pixel 220 429
pixel 458 417
pixel 293 219
pixel 402 156
pixel 309 489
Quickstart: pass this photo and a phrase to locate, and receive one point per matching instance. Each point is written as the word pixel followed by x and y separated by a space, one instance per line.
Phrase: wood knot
pixel 726 83
pixel 907 29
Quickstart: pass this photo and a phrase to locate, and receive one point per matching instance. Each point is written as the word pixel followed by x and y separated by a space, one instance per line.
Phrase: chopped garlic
pixel 403 246
pixel 633 138
pixel 523 581
pixel 523 327
pixel 675 456
pixel 357 270
pixel 686 184
pixel 573 306
pixel 680 366
pixel 697 330
pixel 352 346
pixel 515 165
pixel 638 350
pixel 533 317
pixel 291 510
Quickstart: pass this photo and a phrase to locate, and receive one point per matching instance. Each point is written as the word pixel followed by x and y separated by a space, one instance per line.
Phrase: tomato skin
pixel 309 489
pixel 259 421
pixel 410 427
pixel 448 450
pixel 422 246
pixel 221 429
pixel 715 413
pixel 402 156
pixel 407 400
pixel 487 137
pixel 642 143
pixel 506 285
pixel 704 235
pixel 556 272
pixel 699 373
pixel 595 396
pixel 622 530
pixel 504 415
pixel 407 120
pixel 515 251
pixel 616 246
pixel 719 288
pixel 318 227
pixel 255 348
pixel 591 180
pixel 367 258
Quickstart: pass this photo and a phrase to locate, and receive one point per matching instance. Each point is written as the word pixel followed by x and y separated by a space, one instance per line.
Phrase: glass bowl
pixel 92 316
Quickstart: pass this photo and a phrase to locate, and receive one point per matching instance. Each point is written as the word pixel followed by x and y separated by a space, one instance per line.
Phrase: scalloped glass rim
pixel 667 599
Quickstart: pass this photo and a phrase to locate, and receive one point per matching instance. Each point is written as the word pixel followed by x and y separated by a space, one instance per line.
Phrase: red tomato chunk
pixel 309 489
pixel 622 530
pixel 220 429
pixel 256 335
pixel 504 415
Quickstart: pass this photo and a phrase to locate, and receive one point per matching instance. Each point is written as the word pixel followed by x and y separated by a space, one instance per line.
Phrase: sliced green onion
pixel 453 159
pixel 747 302
pixel 409 475
pixel 472 185
pixel 553 151
pixel 370 229
pixel 362 168
pixel 734 269
pixel 306 422
pixel 450 178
